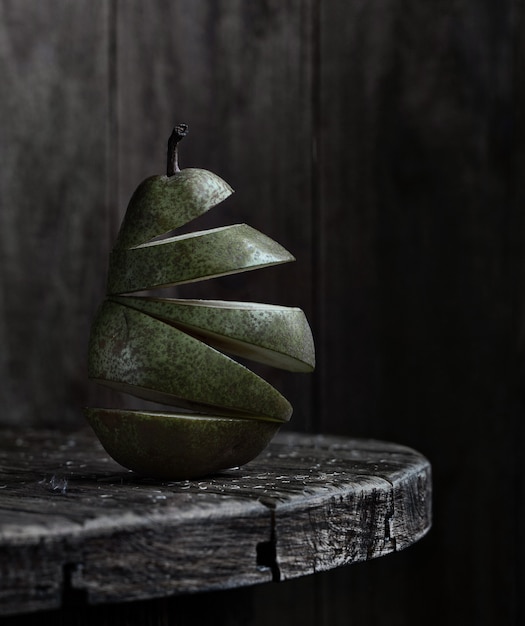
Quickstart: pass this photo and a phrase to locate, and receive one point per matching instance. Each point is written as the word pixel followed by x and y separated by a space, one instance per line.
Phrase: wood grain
pixel 54 218
pixel 422 179
pixel 307 504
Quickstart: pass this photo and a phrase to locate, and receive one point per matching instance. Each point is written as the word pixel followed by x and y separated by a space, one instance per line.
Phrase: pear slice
pixel 192 257
pixel 178 446
pixel 163 203
pixel 274 335
pixel 141 355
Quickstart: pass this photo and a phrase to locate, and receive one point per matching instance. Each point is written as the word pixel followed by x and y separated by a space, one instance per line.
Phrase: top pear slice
pixel 275 335
pixel 163 203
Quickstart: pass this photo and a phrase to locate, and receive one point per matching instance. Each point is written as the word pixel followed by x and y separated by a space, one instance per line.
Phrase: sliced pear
pixel 192 257
pixel 274 335
pixel 178 446
pixel 141 355
pixel 163 203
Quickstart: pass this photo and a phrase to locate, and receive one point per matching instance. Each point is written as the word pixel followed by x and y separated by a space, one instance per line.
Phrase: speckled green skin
pixel 274 335
pixel 146 357
pixel 178 447
pixel 161 204
pixel 133 350
pixel 206 254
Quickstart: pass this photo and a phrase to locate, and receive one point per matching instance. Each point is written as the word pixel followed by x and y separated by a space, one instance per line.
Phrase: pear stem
pixel 179 132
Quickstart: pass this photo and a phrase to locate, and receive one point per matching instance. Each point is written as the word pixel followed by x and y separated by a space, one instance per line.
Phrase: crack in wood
pixel 72 597
pixel 390 512
pixel 267 550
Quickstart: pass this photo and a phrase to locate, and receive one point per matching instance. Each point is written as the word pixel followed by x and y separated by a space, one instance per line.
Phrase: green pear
pixel 178 446
pixel 171 351
pixel 192 257
pixel 142 355
pixel 163 203
pixel 274 335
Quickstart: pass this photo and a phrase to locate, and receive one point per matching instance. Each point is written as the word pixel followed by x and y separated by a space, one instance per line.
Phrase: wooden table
pixel 75 524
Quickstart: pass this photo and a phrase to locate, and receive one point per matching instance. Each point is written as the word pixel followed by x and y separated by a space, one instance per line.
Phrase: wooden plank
pixel 54 218
pixel 71 516
pixel 333 531
pixel 240 75
pixel 419 173
pixel 517 436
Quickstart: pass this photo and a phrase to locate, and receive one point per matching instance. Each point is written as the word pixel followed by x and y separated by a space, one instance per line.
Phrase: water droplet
pixel 55 483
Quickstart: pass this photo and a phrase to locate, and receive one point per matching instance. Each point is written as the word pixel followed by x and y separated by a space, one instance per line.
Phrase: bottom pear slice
pixel 178 446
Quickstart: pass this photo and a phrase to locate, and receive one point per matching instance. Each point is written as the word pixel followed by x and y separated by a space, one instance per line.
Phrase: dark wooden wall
pixel 382 142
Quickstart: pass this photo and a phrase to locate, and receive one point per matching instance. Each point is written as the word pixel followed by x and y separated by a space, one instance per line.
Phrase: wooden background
pixel 382 143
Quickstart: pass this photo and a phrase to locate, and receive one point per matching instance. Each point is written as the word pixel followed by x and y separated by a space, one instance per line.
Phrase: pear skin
pixel 144 356
pixel 274 335
pixel 164 203
pixel 178 446
pixel 192 257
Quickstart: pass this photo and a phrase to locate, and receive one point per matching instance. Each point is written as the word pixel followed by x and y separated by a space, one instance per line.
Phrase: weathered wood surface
pixel 71 517
pixel 54 215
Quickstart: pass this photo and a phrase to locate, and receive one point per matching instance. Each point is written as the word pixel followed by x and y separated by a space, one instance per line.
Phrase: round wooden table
pixel 75 525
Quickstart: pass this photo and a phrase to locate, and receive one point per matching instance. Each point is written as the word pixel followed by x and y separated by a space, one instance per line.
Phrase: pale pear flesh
pixel 178 446
pixel 161 204
pixel 274 335
pixel 144 355
pixel 192 257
